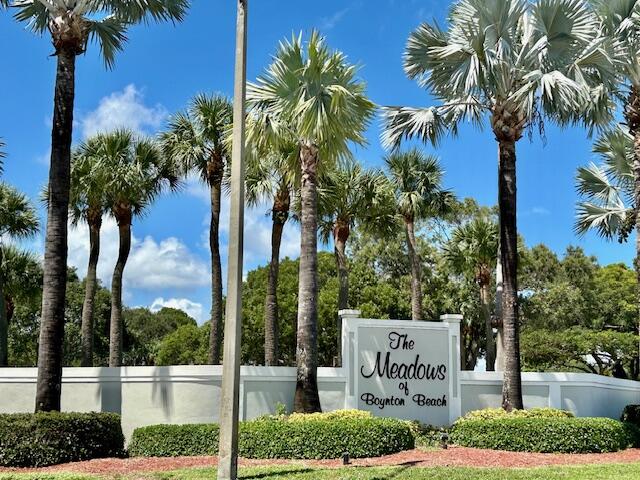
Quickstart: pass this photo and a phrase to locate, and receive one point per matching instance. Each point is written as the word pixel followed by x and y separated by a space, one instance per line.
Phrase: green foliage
pixel 497 413
pixel 41 439
pixel 280 437
pixel 187 345
pixel 174 440
pixel 549 435
pixel 569 350
pixel 631 414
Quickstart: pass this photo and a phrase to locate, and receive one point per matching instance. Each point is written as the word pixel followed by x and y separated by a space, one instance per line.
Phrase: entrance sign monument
pixel 402 368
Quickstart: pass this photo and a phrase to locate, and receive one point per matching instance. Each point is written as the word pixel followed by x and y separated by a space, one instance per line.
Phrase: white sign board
pixel 403 369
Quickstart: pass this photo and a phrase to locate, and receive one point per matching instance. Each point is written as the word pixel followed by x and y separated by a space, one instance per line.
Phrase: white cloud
pixel 193 309
pixel 124 109
pixel 152 265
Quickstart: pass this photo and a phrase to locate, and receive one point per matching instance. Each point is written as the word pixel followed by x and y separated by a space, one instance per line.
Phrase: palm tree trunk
pixel 486 312
pixel 215 338
pixel 306 398
pixel 116 323
pixel 416 271
pixel 55 254
pixel 279 218
pixel 499 363
pixel 340 237
pixel 512 384
pixel 632 115
pixel 4 321
pixel 90 288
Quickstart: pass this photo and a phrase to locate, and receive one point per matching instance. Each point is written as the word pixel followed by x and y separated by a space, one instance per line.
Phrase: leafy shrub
pixel 304 437
pixel 492 413
pixel 429 436
pixel 631 414
pixel 174 440
pixel 333 415
pixel 550 435
pixel 41 439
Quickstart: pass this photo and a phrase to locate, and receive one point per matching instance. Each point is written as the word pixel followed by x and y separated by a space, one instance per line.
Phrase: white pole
pixel 229 402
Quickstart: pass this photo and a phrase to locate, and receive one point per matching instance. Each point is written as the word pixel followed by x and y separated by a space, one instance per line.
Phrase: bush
pixel 174 440
pixel 492 413
pixel 549 435
pixel 429 436
pixel 41 439
pixel 303 437
pixel 631 414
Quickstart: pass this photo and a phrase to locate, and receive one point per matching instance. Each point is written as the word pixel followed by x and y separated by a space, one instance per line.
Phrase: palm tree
pixel 18 219
pixel 416 180
pixel 270 176
pixel 88 203
pixel 196 140
pixel 515 63
pixel 609 206
pixel 138 172
pixel 348 197
pixel 72 24
pixel 472 250
pixel 310 96
pixel 621 23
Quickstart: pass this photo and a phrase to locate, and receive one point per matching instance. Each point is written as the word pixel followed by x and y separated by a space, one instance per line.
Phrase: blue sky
pixel 163 66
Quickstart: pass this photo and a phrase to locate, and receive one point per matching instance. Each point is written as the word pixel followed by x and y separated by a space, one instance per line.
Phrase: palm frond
pixel 18 217
pixel 110 34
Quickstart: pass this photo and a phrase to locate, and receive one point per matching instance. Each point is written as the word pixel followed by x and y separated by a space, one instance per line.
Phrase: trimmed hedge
pixel 548 435
pixel 279 437
pixel 41 439
pixel 493 413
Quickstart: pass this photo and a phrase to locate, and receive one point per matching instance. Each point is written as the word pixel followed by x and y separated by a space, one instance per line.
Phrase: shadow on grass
pixel 397 470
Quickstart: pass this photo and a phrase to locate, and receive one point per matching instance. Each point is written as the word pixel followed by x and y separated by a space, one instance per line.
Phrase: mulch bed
pixel 452 457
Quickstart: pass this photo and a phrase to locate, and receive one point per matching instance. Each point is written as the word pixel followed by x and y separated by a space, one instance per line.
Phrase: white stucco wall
pixel 190 394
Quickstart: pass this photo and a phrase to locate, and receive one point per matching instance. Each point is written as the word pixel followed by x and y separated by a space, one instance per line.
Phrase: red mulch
pixel 452 457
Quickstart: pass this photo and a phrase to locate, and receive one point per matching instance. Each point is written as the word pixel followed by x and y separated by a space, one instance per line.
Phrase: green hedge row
pixel 549 435
pixel 41 439
pixel 314 438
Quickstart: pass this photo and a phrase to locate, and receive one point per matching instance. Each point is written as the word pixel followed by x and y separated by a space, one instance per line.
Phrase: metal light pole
pixel 229 403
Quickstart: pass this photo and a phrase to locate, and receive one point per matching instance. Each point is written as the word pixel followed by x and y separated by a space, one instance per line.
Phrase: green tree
pixel 18 219
pixel 416 180
pixel 88 204
pixel 187 345
pixel 310 97
pixel 514 63
pixel 72 24
pixel 351 197
pixel 472 251
pixel 614 298
pixel 138 173
pixel 583 350
pixel 271 177
pixel 196 140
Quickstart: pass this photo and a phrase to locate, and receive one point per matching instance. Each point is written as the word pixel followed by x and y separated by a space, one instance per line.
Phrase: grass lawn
pixel 592 472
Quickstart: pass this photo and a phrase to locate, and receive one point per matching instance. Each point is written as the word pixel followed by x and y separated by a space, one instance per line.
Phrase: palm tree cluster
pixel 512 65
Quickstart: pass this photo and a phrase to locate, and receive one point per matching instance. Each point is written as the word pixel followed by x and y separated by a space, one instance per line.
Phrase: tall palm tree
pixel 416 180
pixel 514 63
pixel 271 177
pixel 310 96
pixel 196 140
pixel 72 24
pixel 138 172
pixel 18 219
pixel 22 277
pixel 472 251
pixel 350 196
pixel 620 21
pixel 88 203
